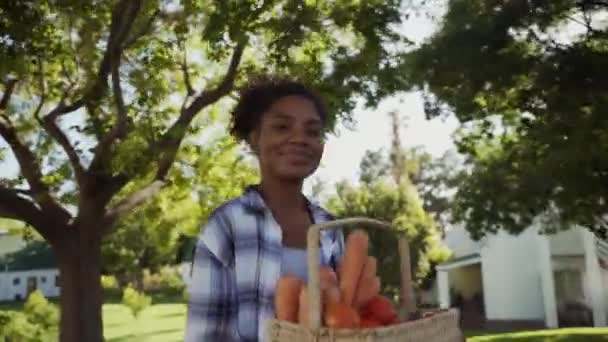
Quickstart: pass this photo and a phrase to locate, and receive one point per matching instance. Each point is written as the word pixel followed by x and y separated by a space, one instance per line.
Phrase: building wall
pixel 567 242
pixel 45 282
pixel 511 277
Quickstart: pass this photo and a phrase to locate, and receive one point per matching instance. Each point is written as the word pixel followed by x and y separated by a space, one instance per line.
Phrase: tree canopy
pixel 528 80
pixel 99 98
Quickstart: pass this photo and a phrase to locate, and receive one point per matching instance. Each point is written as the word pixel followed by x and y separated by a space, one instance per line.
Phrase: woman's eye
pixel 280 127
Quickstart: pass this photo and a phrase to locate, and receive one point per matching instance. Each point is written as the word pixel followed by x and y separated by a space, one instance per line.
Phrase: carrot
pixel 368 290
pixel 327 276
pixel 286 298
pixel 303 306
pixel 331 295
pixel 366 280
pixel 355 256
pixel 370 268
pixel 339 269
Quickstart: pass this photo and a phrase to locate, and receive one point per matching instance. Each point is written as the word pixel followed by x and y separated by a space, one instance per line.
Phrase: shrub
pixel 17 327
pixel 167 279
pixel 135 301
pixel 109 282
pixel 40 311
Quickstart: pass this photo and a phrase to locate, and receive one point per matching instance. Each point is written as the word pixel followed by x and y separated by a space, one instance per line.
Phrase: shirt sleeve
pixel 212 304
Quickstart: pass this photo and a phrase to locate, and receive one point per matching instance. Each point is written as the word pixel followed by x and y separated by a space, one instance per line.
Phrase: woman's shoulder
pixel 246 203
pixel 217 233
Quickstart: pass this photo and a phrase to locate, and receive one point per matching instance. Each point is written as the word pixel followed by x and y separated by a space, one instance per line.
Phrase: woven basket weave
pixel 440 326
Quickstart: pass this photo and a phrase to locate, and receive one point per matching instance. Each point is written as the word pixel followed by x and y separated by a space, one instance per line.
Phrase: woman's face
pixel 289 140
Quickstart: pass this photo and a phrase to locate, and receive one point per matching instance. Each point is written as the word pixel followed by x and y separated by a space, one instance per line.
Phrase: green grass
pixel 556 335
pixel 160 322
pixel 165 321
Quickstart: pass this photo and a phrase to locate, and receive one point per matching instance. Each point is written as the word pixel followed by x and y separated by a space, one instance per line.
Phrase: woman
pixel 250 241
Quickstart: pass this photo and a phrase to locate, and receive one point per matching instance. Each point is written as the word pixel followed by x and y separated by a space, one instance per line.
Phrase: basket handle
pixel 313 236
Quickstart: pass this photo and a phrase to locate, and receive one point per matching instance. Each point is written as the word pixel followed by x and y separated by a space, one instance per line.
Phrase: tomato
pixel 380 309
pixel 341 316
pixel 369 323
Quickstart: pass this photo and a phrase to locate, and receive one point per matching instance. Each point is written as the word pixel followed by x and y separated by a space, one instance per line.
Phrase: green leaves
pixel 530 99
pixel 203 178
pixel 401 206
pixel 135 301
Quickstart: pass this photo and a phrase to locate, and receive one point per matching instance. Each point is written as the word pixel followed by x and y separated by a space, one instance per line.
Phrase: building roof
pixel 466 260
pixel 36 255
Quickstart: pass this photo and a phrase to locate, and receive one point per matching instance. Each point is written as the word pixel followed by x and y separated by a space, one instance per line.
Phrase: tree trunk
pixel 139 280
pixel 81 293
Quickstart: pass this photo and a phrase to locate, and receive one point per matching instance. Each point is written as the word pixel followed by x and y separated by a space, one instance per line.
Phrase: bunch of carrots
pixel 350 299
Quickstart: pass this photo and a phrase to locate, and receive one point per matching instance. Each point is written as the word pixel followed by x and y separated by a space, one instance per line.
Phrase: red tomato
pixel 341 316
pixel 380 309
pixel 369 323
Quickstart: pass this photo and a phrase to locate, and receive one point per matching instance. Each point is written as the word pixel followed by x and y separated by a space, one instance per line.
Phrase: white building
pixel 26 267
pixel 543 280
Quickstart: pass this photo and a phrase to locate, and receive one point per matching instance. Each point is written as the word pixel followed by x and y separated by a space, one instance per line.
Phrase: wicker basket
pixel 439 326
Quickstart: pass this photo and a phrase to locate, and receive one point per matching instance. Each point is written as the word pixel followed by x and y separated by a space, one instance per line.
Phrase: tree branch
pixel 123 16
pixel 184 66
pixel 133 200
pixel 211 96
pixel 103 148
pixel 170 141
pixel 8 92
pixel 50 125
pixel 15 207
pixel 30 169
pixel 42 90
pixel 111 62
pixel 143 31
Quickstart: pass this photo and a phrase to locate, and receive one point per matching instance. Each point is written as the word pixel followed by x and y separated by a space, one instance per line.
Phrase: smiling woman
pixel 252 240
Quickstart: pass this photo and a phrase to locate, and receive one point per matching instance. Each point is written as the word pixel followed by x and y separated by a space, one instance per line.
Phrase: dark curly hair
pixel 260 94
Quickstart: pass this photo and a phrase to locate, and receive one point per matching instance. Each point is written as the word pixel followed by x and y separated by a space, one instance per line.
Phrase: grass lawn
pixel 557 335
pixel 160 322
pixel 165 321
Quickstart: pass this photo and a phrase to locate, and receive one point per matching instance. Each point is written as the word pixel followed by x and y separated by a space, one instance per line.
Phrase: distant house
pixel 528 279
pixel 26 267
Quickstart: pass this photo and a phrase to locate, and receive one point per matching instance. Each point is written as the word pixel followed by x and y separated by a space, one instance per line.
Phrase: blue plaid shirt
pixel 236 266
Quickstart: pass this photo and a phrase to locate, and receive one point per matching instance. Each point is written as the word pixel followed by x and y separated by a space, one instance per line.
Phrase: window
pixel 43 279
pixel 16 281
pixel 57 281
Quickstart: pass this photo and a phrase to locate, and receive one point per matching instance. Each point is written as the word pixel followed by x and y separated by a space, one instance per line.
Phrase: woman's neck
pixel 283 194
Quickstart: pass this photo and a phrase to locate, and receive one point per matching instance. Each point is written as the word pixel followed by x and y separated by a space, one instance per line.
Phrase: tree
pixel 150 236
pixel 400 206
pixel 528 80
pixel 373 165
pixel 99 96
pixel 437 180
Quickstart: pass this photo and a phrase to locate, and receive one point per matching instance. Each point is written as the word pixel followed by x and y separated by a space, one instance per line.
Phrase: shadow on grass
pixel 129 337
pixel 114 296
pixel 111 325
pixel 169 315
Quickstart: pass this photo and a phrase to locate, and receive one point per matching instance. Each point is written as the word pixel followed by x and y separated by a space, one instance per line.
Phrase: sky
pixel 344 151
pixel 373 126
pixel 372 130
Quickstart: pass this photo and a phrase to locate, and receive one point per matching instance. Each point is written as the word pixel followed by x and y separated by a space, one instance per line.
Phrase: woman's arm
pixel 212 307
